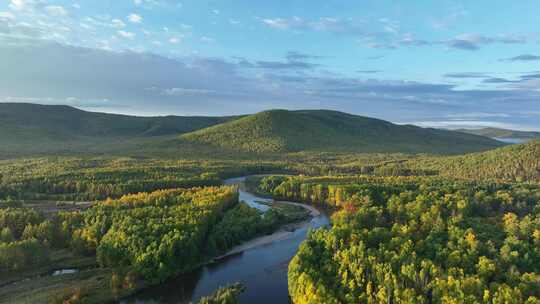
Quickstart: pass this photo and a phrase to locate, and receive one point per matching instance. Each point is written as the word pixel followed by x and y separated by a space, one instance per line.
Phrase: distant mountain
pixel 322 130
pixel 25 121
pixel 39 129
pixel 515 163
pixel 502 133
pixel 30 129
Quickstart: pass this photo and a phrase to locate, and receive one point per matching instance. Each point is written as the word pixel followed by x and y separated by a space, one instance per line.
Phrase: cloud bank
pixel 143 83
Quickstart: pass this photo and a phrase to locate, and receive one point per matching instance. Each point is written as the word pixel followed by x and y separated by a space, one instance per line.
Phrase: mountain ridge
pixel 72 122
pixel 30 129
pixel 326 130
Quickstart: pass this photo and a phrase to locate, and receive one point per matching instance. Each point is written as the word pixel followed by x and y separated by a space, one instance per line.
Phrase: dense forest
pixel 224 295
pixel 97 178
pixel 140 239
pixel 25 239
pixel 156 234
pixel 512 163
pixel 321 130
pixel 416 240
pixel 88 179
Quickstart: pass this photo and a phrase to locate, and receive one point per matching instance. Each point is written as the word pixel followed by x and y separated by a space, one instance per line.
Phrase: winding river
pixel 262 267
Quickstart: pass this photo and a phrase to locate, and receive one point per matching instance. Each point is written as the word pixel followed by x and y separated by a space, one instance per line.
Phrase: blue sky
pixel 433 63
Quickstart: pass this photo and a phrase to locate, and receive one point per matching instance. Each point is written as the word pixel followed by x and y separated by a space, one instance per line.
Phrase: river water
pixel 262 270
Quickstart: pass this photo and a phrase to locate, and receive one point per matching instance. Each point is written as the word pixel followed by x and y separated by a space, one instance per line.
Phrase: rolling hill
pixel 322 130
pixel 30 129
pixel 502 133
pixel 21 121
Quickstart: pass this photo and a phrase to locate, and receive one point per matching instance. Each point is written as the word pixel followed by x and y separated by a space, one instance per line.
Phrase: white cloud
pixel 7 16
pixel 134 18
pixel 117 23
pixel 185 92
pixel 18 4
pixel 145 2
pixel 207 39
pixel 446 21
pixel 56 10
pixel 280 23
pixel 185 27
pixel 326 24
pixel 127 35
pixel 212 85
pixel 99 21
pixel 175 40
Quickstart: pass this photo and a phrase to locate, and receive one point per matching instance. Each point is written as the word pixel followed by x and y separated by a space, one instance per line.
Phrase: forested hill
pixel 31 129
pixel 502 133
pixel 515 162
pixel 322 130
pixel 31 122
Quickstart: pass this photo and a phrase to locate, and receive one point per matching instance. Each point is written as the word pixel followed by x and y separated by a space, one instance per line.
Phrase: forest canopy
pixel 416 240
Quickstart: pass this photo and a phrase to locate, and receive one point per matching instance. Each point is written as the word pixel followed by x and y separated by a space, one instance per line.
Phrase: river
pixel 262 269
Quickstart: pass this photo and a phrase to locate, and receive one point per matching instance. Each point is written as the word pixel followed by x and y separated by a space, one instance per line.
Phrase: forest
pixel 155 234
pixel 269 152
pixel 405 228
pixel 143 238
pixel 416 240
pixel 99 178
pixel 224 295
pixel 32 129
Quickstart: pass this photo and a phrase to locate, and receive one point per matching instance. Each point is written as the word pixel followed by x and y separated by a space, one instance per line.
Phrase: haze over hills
pixel 323 130
pixel 30 129
pixel 502 133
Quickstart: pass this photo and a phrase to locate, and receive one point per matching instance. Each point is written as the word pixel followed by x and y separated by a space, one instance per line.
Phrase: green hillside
pixel 41 129
pixel 321 130
pixel 515 162
pixel 30 129
pixel 29 121
pixel 502 133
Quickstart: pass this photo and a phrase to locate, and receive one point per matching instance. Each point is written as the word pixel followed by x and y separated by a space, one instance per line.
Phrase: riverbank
pixel 40 286
pixel 93 284
pixel 260 263
pixel 283 232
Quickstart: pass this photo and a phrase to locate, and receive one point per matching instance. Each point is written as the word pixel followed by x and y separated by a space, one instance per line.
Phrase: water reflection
pixel 64 271
pixel 263 270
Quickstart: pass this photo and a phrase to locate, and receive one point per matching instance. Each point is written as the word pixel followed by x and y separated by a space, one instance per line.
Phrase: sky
pixel 448 64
